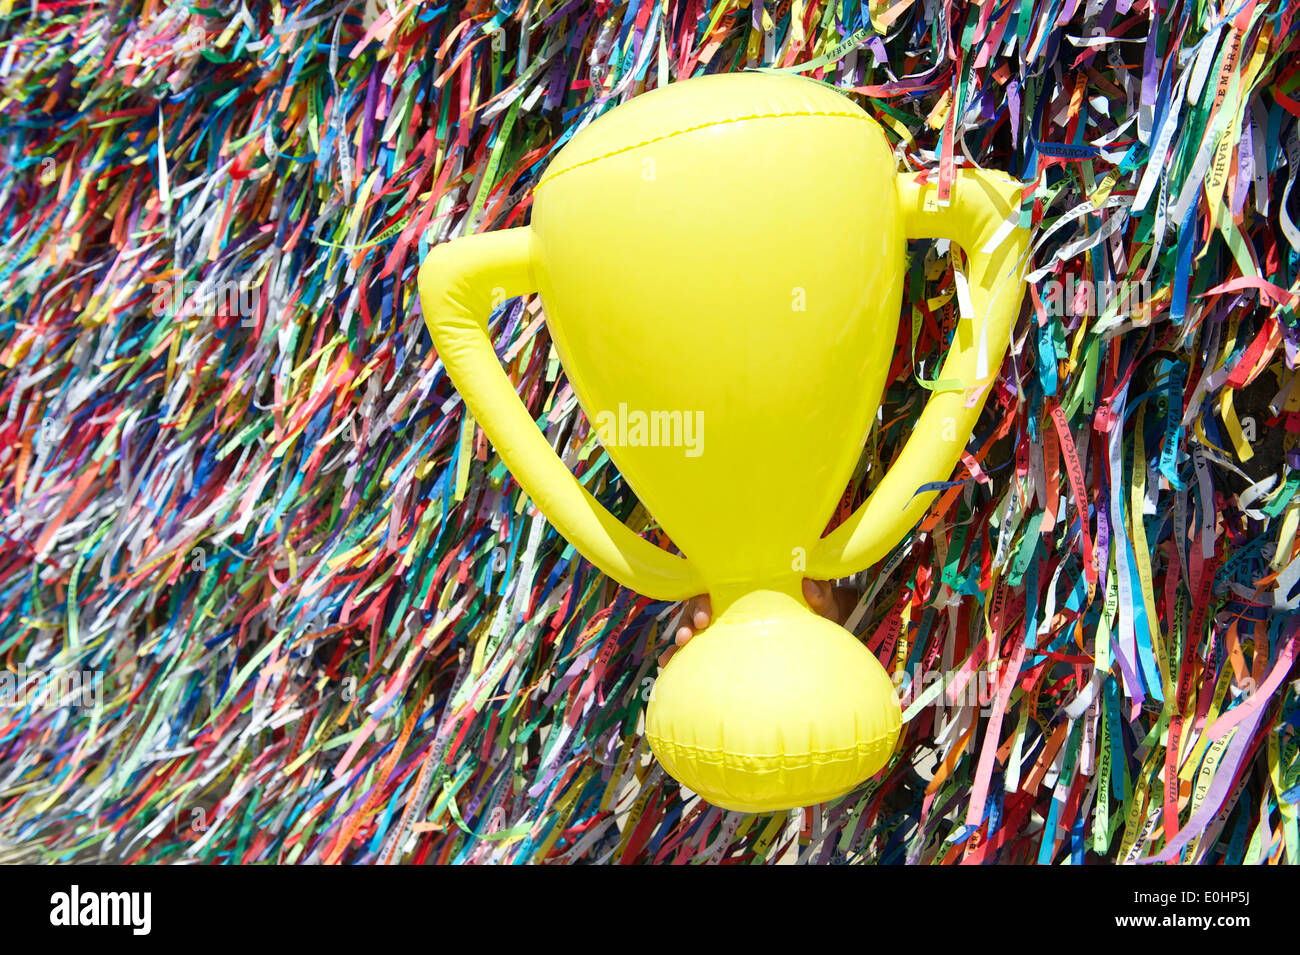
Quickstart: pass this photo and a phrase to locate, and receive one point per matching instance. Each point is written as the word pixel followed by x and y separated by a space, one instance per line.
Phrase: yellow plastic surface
pixel 730 250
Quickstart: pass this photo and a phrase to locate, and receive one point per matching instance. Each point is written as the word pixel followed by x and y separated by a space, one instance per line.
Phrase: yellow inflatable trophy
pixel 721 266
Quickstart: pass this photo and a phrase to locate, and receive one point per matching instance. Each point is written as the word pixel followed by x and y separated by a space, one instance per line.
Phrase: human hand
pixel 833 603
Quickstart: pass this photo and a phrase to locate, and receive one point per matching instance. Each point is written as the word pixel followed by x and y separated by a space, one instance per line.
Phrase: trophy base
pixel 772 707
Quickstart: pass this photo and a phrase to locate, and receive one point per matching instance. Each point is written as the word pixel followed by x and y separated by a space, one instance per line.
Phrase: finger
pixel 689 609
pixel 818 595
pixel 702 614
pixel 695 615
pixel 680 639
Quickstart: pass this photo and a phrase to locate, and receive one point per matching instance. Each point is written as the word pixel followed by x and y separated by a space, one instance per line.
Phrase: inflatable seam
pixel 691 129
pixel 783 760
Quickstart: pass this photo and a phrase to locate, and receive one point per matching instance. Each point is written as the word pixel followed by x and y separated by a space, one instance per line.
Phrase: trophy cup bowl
pixel 721 264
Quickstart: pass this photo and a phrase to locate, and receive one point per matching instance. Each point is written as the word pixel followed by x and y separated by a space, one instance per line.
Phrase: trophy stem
pixel 753 601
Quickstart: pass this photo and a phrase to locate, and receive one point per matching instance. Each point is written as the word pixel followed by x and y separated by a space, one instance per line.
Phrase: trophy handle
pixel 977 219
pixel 458 283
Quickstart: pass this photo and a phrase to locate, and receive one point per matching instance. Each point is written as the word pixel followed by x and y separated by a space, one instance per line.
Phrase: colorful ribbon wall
pixel 265 597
